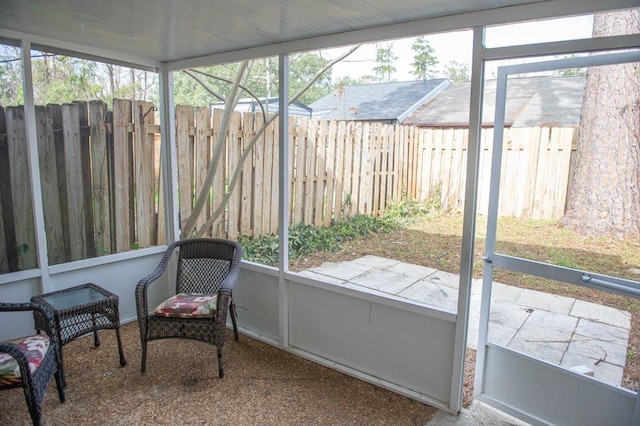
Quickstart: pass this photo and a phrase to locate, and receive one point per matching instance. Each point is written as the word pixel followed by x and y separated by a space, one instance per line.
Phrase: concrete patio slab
pixel 431 293
pixel 603 314
pixel 546 351
pixel 383 280
pixel 445 278
pixel 500 334
pixel 600 331
pixel 560 330
pixel 548 302
pixel 341 270
pixel 598 351
pixel 417 271
pixel 505 292
pixel 322 277
pixel 508 314
pixel 602 370
pixel 375 262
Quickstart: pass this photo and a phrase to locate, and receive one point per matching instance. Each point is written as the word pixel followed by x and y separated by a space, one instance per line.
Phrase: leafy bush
pixel 306 239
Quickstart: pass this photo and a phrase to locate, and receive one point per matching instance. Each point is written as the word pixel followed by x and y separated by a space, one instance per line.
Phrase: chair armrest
pixel 234 270
pixel 15 351
pixel 42 309
pixel 145 282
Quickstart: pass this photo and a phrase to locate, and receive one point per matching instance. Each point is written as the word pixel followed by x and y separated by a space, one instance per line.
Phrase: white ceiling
pixel 176 30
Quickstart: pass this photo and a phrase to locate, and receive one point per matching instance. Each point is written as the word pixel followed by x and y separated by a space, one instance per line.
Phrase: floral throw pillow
pixel 188 305
pixel 35 347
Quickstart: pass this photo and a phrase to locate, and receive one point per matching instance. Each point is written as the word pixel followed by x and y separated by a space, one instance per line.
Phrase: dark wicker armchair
pixel 207 270
pixel 30 362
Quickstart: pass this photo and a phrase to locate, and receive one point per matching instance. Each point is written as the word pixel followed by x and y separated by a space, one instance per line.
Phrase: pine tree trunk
pixel 604 194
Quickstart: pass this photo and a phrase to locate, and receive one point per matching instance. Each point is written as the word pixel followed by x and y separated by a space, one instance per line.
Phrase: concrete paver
pixel 548 302
pixel 561 330
pixel 432 293
pixel 383 280
pixel 603 314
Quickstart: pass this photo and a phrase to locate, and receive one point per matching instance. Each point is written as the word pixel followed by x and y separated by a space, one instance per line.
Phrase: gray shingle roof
pixel 377 102
pixel 531 101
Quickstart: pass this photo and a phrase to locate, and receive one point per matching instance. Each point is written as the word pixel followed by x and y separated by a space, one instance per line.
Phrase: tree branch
pixel 217 214
pixel 229 106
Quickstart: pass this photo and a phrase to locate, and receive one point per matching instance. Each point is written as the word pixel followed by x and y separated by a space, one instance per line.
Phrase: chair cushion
pixel 34 347
pixel 188 305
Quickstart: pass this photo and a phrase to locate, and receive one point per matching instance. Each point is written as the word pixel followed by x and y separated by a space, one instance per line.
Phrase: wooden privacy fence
pixel 98 177
pixel 102 192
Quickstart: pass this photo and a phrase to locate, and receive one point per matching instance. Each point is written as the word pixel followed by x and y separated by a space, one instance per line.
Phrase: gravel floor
pixel 263 385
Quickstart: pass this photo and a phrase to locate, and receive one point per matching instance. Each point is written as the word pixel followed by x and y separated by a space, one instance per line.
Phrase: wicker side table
pixel 82 309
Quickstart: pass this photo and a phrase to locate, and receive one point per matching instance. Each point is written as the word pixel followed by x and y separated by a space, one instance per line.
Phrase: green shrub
pixel 307 239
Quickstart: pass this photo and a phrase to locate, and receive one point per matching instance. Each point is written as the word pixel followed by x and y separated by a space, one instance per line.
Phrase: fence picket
pixel 49 182
pixel 144 149
pixel 218 190
pixel 122 175
pixel 85 156
pixel 76 208
pixel 201 158
pixel 374 155
pixel 321 175
pixel 330 172
pixel 308 131
pixel 100 176
pixel 184 152
pixel 20 189
pixel 235 151
pixel 258 183
pixel 245 185
pixel 339 172
pixel 8 247
pixel 298 153
pixel 275 179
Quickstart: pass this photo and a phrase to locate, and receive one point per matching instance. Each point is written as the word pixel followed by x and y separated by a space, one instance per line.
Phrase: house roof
pixel 188 33
pixel 377 102
pixel 271 106
pixel 531 101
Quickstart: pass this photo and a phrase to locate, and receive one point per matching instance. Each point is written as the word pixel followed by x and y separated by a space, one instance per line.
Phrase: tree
pixel 10 78
pixel 61 78
pixel 385 58
pixel 302 67
pixel 457 72
pixel 423 60
pixel 604 195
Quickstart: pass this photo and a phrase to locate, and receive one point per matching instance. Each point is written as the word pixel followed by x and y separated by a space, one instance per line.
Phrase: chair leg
pixel 232 311
pixel 220 367
pixel 34 407
pixel 143 363
pixel 60 385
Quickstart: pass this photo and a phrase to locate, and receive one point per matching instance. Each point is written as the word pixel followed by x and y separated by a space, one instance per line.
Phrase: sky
pixel 457 46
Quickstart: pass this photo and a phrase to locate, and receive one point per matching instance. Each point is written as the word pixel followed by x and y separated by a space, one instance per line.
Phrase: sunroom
pixel 410 347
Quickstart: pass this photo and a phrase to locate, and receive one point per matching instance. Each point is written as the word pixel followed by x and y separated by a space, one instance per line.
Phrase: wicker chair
pixel 32 361
pixel 207 270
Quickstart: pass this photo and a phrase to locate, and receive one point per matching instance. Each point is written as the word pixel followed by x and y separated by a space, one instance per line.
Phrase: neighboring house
pixel 551 101
pixel 380 102
pixel 270 105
